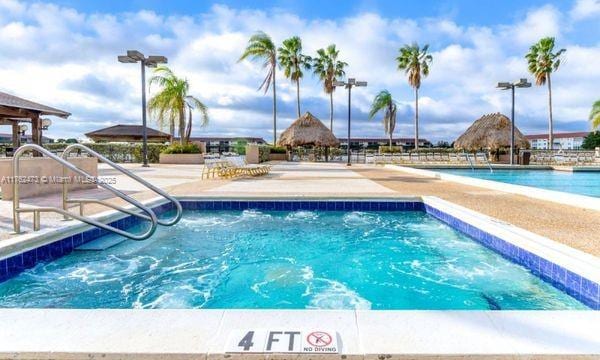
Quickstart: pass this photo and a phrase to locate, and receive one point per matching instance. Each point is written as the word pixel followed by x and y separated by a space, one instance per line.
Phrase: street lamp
pixel 349 85
pixel 522 83
pixel 134 56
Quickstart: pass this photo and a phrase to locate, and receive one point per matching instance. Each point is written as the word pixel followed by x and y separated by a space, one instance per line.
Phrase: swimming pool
pixel 579 182
pixel 289 259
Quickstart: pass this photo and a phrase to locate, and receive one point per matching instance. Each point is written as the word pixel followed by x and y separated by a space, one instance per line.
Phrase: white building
pixel 562 141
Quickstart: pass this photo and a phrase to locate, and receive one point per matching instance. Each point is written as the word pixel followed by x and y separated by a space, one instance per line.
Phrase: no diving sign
pixel 282 341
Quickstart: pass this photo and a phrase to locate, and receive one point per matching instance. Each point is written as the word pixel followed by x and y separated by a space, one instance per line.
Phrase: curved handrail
pixel 179 209
pixel 17 209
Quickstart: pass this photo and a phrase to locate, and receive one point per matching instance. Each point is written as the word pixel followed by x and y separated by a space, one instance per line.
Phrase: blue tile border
pixel 312 205
pixel 582 289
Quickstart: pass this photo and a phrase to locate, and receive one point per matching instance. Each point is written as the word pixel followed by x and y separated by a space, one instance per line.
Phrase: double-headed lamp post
pixel 522 83
pixel 134 56
pixel 349 85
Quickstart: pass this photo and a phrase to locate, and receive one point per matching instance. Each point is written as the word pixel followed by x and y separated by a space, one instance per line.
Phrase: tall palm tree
pixel 261 47
pixel 384 101
pixel 415 63
pixel 327 66
pixel 542 61
pixel 293 62
pixel 595 115
pixel 173 104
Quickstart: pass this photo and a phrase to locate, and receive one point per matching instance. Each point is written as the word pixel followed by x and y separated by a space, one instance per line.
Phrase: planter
pixel 278 157
pixel 189 159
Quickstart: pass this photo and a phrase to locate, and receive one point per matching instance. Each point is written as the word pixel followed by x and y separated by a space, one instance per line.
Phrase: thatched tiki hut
pixel 491 132
pixel 307 130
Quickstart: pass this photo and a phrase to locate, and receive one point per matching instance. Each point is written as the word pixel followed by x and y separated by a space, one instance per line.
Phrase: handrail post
pixel 64 191
pixel 16 202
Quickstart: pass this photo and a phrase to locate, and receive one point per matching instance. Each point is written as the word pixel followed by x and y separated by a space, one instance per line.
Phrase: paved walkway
pixel 576 227
pixel 572 226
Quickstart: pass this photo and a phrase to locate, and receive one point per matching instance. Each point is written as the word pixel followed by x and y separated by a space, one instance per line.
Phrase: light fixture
pixel 521 83
pixel 46 124
pixel 151 61
pixel 349 85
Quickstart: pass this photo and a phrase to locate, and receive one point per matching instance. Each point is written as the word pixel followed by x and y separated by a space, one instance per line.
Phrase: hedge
pixel 119 153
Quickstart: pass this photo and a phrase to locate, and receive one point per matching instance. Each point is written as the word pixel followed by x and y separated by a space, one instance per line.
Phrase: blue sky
pixel 474 44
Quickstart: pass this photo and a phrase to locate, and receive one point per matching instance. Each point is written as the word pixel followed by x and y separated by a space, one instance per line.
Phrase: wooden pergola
pixel 15 110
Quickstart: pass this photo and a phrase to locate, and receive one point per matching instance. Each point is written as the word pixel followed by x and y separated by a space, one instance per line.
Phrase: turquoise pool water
pixel 583 183
pixel 289 260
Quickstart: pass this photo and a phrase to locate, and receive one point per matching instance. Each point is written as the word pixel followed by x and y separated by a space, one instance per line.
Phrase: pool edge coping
pixel 559 197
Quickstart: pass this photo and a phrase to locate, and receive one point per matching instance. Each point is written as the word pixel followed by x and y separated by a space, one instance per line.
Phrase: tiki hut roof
pixel 307 130
pixel 127 133
pixel 491 132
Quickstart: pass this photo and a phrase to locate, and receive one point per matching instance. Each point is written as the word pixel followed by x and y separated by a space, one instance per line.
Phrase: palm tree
pixel 595 115
pixel 415 63
pixel 293 62
pixel 384 101
pixel 329 69
pixel 261 47
pixel 542 61
pixel 173 104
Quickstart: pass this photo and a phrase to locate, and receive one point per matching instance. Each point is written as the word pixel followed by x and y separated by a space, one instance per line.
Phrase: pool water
pixel 583 183
pixel 289 260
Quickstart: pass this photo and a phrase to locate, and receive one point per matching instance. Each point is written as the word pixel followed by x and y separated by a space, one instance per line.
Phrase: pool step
pixel 102 243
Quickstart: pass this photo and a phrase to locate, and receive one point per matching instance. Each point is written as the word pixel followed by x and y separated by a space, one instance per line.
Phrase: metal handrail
pixel 487 162
pixel 468 156
pixel 17 210
pixel 70 148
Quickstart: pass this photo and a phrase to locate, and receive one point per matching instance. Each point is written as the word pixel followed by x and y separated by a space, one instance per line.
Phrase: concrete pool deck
pixel 381 335
pixel 572 226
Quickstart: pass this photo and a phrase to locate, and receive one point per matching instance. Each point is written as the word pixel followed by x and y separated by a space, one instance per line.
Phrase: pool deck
pixel 377 335
pixel 570 225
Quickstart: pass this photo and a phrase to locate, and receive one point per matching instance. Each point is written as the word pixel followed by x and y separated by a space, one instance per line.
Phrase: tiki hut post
pixel 307 130
pixel 490 132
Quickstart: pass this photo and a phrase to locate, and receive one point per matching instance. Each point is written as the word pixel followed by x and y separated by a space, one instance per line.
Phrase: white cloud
pixel 67 59
pixel 538 23
pixel 585 9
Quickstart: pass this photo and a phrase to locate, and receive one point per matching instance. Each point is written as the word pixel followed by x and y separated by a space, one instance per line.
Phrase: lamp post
pixel 134 56
pixel 349 85
pixel 522 83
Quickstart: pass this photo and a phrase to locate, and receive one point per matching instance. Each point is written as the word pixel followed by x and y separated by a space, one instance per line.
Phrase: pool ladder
pixel 139 210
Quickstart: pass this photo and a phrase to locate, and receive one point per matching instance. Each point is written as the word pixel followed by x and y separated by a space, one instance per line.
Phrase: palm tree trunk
pixel 188 127
pixel 550 123
pixel 298 95
pixel 181 126
pixel 172 128
pixel 274 110
pixel 416 118
pixel 331 111
pixel 390 142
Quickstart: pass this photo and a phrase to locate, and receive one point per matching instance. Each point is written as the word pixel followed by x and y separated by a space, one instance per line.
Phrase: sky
pixel 63 53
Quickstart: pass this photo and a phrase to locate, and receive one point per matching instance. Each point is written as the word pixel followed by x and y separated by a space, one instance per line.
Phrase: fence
pixel 563 157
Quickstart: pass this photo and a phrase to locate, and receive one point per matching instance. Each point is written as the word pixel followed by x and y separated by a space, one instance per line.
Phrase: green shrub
pixel 278 150
pixel 390 150
pixel 190 148
pixel 591 141
pixel 263 153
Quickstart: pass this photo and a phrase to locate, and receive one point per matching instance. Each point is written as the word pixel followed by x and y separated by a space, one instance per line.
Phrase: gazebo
pixel 307 130
pixel 490 132
pixel 15 110
pixel 127 133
